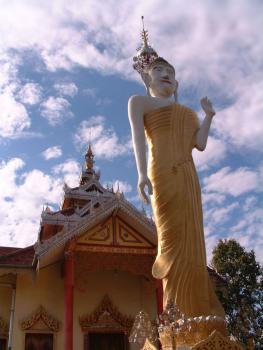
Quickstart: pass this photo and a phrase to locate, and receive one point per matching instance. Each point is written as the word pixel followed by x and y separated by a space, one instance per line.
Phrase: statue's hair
pixel 159 60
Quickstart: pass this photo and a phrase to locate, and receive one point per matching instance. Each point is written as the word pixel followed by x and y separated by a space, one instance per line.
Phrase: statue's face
pixel 161 80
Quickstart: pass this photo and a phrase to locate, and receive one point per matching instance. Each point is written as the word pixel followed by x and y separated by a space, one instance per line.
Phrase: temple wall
pixel 45 288
pixel 5 303
pixel 129 293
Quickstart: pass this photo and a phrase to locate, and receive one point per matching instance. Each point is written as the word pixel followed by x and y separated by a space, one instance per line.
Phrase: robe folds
pixel 177 208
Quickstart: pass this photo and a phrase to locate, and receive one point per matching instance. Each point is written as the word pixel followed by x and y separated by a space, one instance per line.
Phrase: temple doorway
pixel 39 341
pixel 3 344
pixel 106 341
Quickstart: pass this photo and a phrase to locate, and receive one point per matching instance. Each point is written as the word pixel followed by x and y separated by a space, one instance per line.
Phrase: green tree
pixel 243 299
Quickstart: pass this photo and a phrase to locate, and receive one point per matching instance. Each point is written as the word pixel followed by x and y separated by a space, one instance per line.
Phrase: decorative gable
pixel 106 317
pixel 40 319
pixel 127 236
pixel 117 235
pixel 99 235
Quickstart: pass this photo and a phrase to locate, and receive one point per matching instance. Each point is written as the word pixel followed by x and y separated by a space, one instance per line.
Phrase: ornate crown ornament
pixel 146 54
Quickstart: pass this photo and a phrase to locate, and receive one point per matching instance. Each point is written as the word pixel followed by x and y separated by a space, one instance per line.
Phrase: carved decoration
pixel 127 236
pixel 99 235
pixel 148 345
pixel 35 317
pixel 106 317
pixel 216 341
pixel 3 326
pixel 116 250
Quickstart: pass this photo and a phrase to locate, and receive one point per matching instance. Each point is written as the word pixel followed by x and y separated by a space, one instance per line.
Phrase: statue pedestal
pixel 215 341
pixel 174 333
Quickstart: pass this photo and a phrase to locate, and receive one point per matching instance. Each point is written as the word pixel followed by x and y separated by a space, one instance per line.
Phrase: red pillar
pixel 159 295
pixel 69 299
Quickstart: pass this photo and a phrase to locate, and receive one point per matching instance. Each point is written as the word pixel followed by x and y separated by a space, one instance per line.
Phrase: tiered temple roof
pixel 83 208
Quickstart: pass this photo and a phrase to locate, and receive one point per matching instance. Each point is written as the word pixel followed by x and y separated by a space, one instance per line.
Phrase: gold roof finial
pixel 89 158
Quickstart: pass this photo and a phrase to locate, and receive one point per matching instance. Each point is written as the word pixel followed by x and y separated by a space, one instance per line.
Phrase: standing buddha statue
pixel 172 132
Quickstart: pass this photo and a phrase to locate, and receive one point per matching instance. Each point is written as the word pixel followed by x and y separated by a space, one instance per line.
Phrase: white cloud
pixel 30 94
pixel 14 119
pixel 56 110
pixel 248 231
pixel 250 203
pixel 105 142
pixel 235 182
pixel 212 197
pixel 241 122
pixel 23 194
pixel 215 152
pixel 69 172
pixel 123 186
pixel 66 89
pixel 211 49
pixel 94 36
pixel 220 215
pixel 94 94
pixel 8 173
pixel 52 152
pixel 235 221
pixel 90 92
pixel 8 68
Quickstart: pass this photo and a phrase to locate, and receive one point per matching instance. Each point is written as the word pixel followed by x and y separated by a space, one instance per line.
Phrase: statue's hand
pixel 145 181
pixel 207 106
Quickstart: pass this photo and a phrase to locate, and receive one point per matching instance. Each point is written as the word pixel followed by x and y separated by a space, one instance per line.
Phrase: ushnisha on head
pixel 157 74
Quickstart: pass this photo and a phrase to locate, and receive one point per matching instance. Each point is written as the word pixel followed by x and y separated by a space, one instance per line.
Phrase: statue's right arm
pixel 136 107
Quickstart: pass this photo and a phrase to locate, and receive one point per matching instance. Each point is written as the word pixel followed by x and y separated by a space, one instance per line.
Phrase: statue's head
pixel 158 74
pixel 159 78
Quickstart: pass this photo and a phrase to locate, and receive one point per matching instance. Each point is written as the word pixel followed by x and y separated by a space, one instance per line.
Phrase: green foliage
pixel 243 299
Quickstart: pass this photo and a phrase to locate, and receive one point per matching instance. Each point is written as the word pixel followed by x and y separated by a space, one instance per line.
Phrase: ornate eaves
pixel 94 218
pixel 106 316
pixel 40 314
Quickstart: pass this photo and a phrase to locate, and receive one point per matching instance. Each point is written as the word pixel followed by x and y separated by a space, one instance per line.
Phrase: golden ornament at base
pixel 167 338
pixel 216 341
pixel 148 345
pixel 197 329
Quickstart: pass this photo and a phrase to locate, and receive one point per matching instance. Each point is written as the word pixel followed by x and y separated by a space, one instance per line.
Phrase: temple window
pixel 39 341
pixel 3 344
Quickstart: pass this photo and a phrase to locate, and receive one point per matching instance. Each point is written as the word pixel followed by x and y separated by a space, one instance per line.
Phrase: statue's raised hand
pixel 145 181
pixel 207 106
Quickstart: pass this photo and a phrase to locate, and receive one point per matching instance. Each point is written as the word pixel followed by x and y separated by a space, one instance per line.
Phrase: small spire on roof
pixel 88 171
pixel 89 158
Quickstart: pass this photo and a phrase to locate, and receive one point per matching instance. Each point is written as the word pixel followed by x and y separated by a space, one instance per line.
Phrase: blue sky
pixel 65 79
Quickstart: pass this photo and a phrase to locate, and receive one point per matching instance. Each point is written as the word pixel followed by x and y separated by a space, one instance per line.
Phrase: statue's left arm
pixel 202 133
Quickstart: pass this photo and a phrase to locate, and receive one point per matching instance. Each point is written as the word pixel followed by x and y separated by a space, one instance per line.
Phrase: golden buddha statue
pixel 172 131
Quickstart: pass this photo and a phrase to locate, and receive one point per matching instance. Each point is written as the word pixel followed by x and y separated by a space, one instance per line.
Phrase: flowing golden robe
pixel 176 202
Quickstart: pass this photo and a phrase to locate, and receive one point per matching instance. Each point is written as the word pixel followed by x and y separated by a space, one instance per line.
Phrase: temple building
pixel 87 276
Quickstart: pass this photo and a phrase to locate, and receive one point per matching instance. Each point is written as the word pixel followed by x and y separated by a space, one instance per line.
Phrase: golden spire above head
pixel 89 158
pixel 146 54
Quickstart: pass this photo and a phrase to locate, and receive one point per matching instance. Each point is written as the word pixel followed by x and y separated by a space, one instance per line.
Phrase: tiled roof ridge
pixel 19 250
pixel 6 250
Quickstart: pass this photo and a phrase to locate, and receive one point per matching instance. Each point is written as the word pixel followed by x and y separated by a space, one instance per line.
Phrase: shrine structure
pixel 87 276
